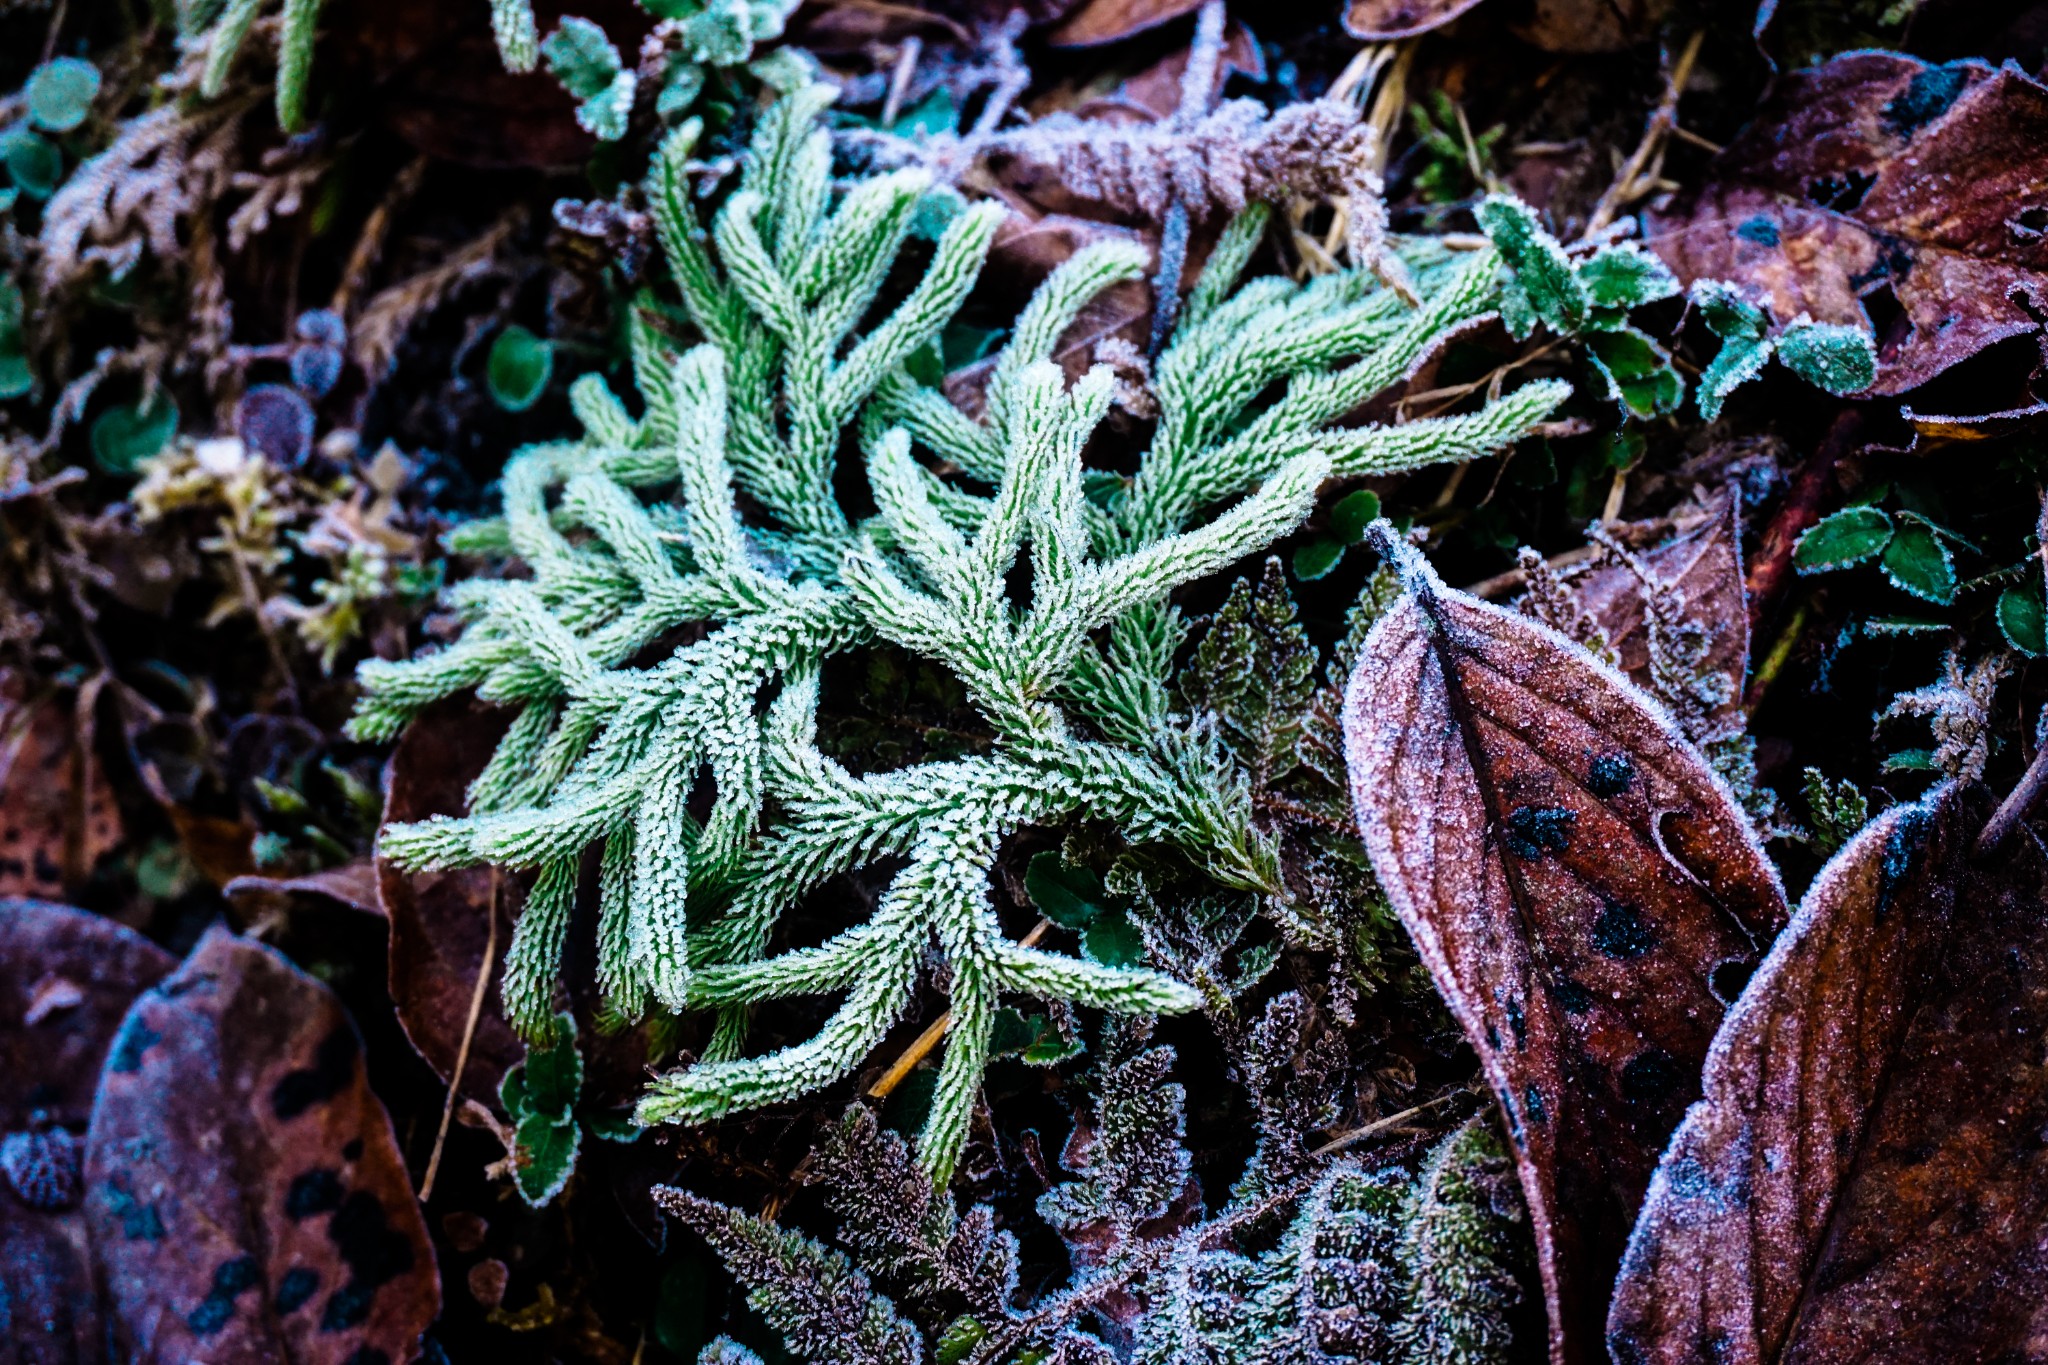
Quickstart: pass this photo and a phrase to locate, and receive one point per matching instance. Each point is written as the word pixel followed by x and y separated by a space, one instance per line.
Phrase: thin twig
pixel 476 1009
pixel 2014 808
pixel 1661 123
pixel 1358 1135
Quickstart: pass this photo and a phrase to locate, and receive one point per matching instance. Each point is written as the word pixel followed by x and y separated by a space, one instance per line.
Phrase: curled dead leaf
pixel 1553 25
pixel 1879 172
pixel 1585 892
pixel 246 1197
pixel 1866 1177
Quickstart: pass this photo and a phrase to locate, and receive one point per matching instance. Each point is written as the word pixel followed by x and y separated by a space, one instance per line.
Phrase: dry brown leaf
pixel 58 816
pixel 1867 1176
pixel 246 1197
pixel 1582 887
pixel 1877 171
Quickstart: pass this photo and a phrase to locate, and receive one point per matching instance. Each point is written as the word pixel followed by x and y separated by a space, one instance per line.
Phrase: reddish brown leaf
pixel 441 921
pixel 1577 880
pixel 57 813
pixel 245 1195
pixel 1877 171
pixel 1867 1176
pixel 66 979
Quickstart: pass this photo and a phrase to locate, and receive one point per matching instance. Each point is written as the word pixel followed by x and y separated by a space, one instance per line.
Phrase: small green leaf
pixel 123 437
pixel 1918 562
pixel 1837 359
pixel 1910 761
pixel 554 1071
pixel 1353 513
pixel 1847 538
pixel 2021 620
pixel 33 162
pixel 519 367
pixel 1113 940
pixel 1540 273
pixel 1638 372
pixel 1031 1038
pixel 614 1127
pixel 1727 312
pixel 680 90
pixel 1625 276
pixel 543 1155
pixel 512 1092
pixel 934 114
pixel 1315 557
pixel 910 1103
pixel 581 57
pixel 958 1341
pixel 60 93
pixel 1069 896
pixel 1740 359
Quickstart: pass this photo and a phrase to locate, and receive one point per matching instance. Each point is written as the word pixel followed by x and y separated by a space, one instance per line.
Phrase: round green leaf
pixel 1849 537
pixel 1113 941
pixel 123 437
pixel 1829 356
pixel 2021 620
pixel 519 368
pixel 16 378
pixel 60 93
pixel 1353 513
pixel 1919 563
pixel 1069 896
pixel 33 162
pixel 1317 557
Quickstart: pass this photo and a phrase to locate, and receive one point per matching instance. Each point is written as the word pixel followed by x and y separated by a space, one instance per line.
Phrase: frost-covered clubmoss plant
pixel 1072 681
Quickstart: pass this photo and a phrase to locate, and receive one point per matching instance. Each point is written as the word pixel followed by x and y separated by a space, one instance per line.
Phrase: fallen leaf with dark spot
pixel 1876 171
pixel 52 1042
pixel 1383 21
pixel 58 816
pixel 246 1198
pixel 440 921
pixel 1867 1175
pixel 1572 874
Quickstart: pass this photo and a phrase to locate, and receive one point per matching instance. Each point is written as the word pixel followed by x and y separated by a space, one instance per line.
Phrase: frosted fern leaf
pixel 636 531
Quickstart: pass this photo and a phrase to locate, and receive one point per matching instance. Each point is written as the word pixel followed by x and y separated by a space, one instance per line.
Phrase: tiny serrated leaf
pixel 1847 538
pixel 543 1155
pixel 554 1071
pixel 1828 356
pixel 582 58
pixel 2020 620
pixel 1542 272
pixel 1624 276
pixel 1918 561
